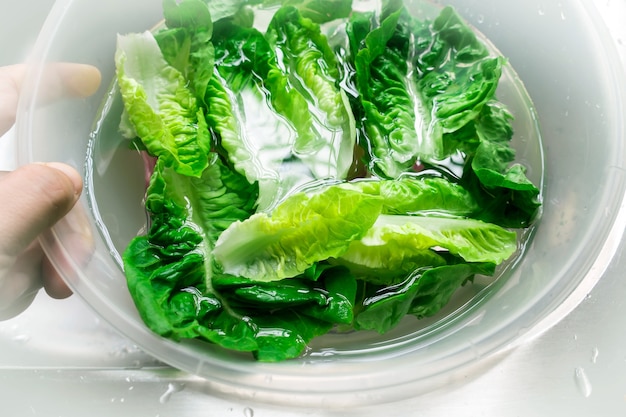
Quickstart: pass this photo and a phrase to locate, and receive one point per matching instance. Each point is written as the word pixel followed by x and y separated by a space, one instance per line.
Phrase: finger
pixel 62 79
pixel 20 280
pixel 71 247
pixel 11 78
pixel 58 80
pixel 52 281
pixel 34 197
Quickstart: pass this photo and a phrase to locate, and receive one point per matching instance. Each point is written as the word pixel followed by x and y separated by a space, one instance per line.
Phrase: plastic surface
pixel 581 126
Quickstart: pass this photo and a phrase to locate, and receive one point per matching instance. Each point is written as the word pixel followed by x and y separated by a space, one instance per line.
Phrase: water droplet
pixel 480 18
pixel 594 355
pixel 248 412
pixel 582 382
pixel 171 390
pixel 563 15
pixel 541 10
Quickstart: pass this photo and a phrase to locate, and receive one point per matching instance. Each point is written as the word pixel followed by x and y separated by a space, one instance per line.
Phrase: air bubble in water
pixel 594 355
pixel 248 412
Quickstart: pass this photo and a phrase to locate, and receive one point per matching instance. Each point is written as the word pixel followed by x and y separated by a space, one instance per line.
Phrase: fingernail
pixel 70 172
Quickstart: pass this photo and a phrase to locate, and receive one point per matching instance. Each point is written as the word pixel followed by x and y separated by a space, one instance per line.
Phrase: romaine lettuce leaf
pixel 266 124
pixel 189 14
pixel 257 139
pixel 393 238
pixel 365 224
pixel 422 293
pixel 181 293
pixel 507 196
pixel 427 93
pixel 386 89
pixel 162 110
pixel 304 229
pixel 426 196
pixel 187 214
pixel 305 57
pixel 186 41
pixel 321 11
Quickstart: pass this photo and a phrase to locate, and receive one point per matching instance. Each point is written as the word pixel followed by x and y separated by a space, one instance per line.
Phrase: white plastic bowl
pixel 564 56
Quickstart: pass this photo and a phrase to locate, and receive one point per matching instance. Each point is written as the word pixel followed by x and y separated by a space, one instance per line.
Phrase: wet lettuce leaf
pixel 187 214
pixel 427 94
pixel 276 131
pixel 254 134
pixel 304 229
pixel 386 92
pixel 422 293
pixel 181 293
pixel 306 58
pixel 321 11
pixel 394 239
pixel 159 107
pixel 350 222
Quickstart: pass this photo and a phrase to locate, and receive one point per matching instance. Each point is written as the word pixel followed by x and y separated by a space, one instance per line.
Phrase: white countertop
pixel 59 359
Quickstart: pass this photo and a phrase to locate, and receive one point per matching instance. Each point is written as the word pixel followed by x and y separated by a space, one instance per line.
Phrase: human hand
pixel 34 197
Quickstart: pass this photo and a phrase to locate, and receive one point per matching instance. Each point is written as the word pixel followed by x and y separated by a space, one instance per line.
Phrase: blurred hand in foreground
pixel 34 197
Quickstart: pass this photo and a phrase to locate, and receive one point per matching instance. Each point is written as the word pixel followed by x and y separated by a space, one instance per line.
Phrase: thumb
pixel 32 199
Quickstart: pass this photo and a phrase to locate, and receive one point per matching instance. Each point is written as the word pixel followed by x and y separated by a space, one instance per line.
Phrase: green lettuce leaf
pixel 185 42
pixel 422 294
pixel 394 237
pixel 257 137
pixel 507 196
pixel 321 11
pixel 190 14
pixel 187 214
pixel 326 221
pixel 182 294
pixel 386 92
pixel 427 95
pixel 266 125
pixel 330 297
pixel 305 57
pixel 304 229
pixel 426 196
pixel 162 110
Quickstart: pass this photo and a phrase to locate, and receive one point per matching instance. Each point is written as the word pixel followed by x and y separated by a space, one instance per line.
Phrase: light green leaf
pixel 159 106
pixel 304 229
